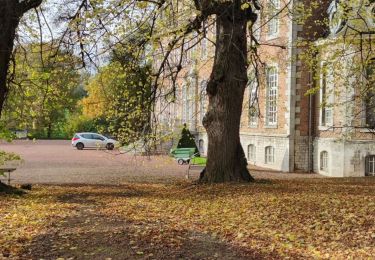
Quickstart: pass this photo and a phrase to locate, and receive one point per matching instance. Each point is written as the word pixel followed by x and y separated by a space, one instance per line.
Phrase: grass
pixel 199 160
pixel 312 218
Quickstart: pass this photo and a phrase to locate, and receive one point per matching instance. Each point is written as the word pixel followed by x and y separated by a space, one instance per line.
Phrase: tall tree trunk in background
pixel 226 158
pixel 11 12
pixel 49 130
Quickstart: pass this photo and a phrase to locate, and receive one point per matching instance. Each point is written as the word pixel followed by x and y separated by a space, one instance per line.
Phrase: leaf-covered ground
pixel 311 218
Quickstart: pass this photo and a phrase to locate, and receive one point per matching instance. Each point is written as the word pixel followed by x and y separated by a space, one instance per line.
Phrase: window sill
pixel 367 130
pixel 270 126
pixel 253 126
pixel 272 37
pixel 325 128
pixel 251 162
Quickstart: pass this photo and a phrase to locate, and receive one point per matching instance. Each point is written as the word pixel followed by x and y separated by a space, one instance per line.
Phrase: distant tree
pixel 11 12
pixel 121 94
pixel 44 89
pixel 187 140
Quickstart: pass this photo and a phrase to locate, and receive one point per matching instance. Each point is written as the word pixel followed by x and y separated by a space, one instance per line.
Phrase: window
pixel 201 146
pixel 324 161
pixel 188 51
pixel 203 97
pixel 184 103
pixel 191 104
pixel 271 106
pixel 370 95
pixel 253 102
pixel 273 23
pixel 370 165
pixel 257 28
pixel 326 98
pixel 251 152
pixel 270 155
pixel 98 137
pixel 371 14
pixel 204 48
pixel 87 136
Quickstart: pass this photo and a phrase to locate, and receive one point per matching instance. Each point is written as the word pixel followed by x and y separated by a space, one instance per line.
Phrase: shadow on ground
pixel 90 235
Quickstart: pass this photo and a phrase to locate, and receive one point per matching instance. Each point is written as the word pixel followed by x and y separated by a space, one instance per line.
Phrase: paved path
pixel 57 162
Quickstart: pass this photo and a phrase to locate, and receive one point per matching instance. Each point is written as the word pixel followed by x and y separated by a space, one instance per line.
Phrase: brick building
pixel 281 127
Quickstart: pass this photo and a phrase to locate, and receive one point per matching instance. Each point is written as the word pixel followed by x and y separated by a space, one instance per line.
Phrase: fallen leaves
pixel 325 218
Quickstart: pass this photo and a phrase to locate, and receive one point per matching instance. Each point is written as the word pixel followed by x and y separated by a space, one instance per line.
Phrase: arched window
pixel 324 161
pixel 370 165
pixel 251 152
pixel 269 155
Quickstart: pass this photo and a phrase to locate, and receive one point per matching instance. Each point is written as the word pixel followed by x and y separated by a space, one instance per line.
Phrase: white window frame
pixel 272 96
pixel 251 153
pixel 201 147
pixel 204 50
pixel 253 113
pixel 191 103
pixel 323 161
pixel 188 52
pixel 273 19
pixel 184 103
pixel 370 15
pixel 269 154
pixel 202 100
pixel 370 165
pixel 257 28
pixel 326 98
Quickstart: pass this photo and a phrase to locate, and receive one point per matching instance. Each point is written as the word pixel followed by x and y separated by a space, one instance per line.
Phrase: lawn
pixel 199 160
pixel 312 218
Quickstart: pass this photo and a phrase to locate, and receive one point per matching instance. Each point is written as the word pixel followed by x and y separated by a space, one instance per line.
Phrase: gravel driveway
pixel 57 162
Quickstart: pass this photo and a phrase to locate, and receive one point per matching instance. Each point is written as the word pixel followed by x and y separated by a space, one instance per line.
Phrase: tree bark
pixel 226 158
pixel 49 130
pixel 11 12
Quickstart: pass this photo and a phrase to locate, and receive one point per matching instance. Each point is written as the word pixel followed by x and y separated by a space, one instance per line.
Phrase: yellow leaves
pixel 245 6
pixel 25 217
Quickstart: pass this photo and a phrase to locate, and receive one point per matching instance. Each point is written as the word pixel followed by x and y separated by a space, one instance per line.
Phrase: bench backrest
pixel 183 152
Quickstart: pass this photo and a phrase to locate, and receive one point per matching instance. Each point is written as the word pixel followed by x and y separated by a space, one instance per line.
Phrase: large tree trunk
pixel 11 12
pixel 226 159
pixel 8 24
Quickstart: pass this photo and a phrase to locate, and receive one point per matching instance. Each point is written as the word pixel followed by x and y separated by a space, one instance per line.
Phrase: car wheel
pixel 80 146
pixel 110 146
pixel 180 161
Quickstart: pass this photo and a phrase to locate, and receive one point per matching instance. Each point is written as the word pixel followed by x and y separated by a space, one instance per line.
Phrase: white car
pixel 92 140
